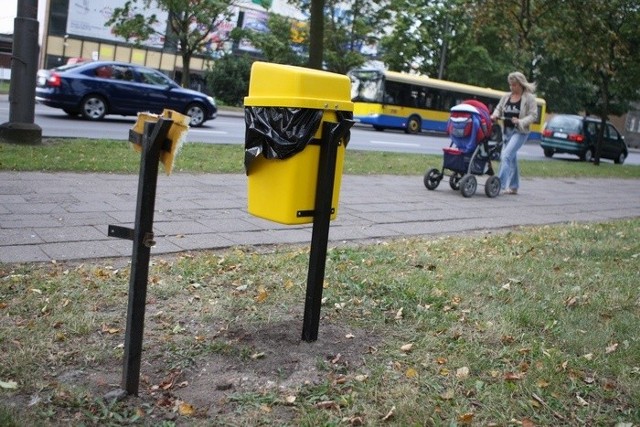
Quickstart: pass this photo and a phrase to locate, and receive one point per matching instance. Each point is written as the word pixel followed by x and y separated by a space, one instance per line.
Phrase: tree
pixel 347 26
pixel 601 39
pixel 189 24
pixel 228 80
pixel 418 31
pixel 277 44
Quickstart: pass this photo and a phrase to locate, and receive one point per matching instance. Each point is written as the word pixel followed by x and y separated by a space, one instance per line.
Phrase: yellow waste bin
pixel 286 108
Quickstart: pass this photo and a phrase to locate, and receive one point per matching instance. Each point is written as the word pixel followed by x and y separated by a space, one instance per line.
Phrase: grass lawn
pixel 80 155
pixel 534 326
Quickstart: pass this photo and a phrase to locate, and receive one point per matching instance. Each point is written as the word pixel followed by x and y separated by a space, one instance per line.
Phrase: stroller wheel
pixel 468 185
pixel 432 178
pixel 454 181
pixel 492 186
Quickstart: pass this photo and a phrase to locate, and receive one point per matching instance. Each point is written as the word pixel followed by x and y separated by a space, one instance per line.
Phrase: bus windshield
pixel 366 85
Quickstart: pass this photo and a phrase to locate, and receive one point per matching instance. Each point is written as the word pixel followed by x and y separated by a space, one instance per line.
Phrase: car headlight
pixel 211 100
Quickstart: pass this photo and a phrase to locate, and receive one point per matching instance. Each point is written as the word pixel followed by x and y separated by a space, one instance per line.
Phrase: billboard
pixel 86 18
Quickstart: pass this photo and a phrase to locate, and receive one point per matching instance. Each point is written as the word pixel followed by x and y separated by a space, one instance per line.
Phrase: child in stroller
pixel 470 152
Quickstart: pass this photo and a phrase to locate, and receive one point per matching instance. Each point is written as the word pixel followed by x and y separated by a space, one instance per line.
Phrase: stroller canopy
pixel 469 124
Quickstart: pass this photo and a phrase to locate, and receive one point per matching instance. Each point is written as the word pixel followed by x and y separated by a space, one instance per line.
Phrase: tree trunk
pixel 186 69
pixel 316 34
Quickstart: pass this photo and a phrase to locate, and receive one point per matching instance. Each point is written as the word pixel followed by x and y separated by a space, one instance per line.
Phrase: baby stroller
pixel 470 152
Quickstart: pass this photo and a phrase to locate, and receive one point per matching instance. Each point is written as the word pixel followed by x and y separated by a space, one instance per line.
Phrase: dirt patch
pixel 275 362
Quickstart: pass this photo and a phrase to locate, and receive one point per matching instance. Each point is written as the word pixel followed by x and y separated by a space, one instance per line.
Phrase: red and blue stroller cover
pixel 469 124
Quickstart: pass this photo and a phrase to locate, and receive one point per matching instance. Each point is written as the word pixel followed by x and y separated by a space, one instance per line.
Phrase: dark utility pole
pixel 316 34
pixel 24 68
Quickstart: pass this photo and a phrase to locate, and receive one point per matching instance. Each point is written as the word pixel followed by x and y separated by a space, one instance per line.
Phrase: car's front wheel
pixel 621 158
pixel 93 107
pixel 197 114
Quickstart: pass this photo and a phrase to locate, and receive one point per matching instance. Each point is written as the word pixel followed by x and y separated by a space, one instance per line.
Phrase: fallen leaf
pixel 513 376
pixel 462 373
pixel 441 360
pixel 290 400
pixel 581 401
pixel 466 418
pixel 507 339
pixel 326 404
pixel 447 395
pixel 8 385
pixel 110 330
pixel 570 302
pixel 611 348
pixel 588 356
pixel 186 409
pixel 262 294
pixel 399 314
pixel 256 356
pixel 527 423
pixel 411 373
pixel 542 383
pixel 406 348
pixel 390 414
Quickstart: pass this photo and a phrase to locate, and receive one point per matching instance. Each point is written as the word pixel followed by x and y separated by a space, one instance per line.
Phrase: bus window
pixel 366 86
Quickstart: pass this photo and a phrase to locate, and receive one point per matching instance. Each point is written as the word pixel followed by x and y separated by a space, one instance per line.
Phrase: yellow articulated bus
pixel 387 99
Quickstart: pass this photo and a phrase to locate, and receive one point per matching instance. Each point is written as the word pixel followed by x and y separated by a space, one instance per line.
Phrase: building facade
pixel 75 29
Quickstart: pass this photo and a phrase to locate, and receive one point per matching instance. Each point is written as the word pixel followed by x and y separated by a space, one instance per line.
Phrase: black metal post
pixel 153 139
pixel 332 133
pixel 24 67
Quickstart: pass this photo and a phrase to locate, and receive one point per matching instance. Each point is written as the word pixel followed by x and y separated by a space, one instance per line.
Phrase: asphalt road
pixel 229 128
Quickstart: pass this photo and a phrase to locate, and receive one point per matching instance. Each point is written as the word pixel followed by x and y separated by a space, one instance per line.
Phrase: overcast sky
pixel 7 15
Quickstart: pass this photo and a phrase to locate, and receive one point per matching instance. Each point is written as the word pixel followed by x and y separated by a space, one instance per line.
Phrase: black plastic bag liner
pixel 278 132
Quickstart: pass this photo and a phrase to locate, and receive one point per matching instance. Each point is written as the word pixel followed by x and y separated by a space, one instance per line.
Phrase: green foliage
pixel 603 47
pixel 348 25
pixel 419 30
pixel 228 79
pixel 189 26
pixel 276 45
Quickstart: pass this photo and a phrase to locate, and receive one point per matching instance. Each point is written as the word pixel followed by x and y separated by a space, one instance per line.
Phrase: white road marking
pixel 208 131
pixel 399 144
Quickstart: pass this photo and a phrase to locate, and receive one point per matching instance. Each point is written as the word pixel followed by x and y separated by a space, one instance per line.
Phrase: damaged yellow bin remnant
pixel 283 190
pixel 177 134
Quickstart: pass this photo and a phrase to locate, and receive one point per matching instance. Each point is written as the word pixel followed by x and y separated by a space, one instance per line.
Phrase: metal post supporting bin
pixel 298 123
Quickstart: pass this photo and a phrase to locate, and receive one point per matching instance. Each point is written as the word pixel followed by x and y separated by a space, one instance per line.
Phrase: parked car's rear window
pixel 568 124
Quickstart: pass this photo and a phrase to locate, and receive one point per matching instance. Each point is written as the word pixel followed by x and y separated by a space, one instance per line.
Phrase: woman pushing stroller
pixel 519 110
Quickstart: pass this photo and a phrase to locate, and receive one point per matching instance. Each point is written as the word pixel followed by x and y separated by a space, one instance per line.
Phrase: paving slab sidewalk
pixel 65 216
